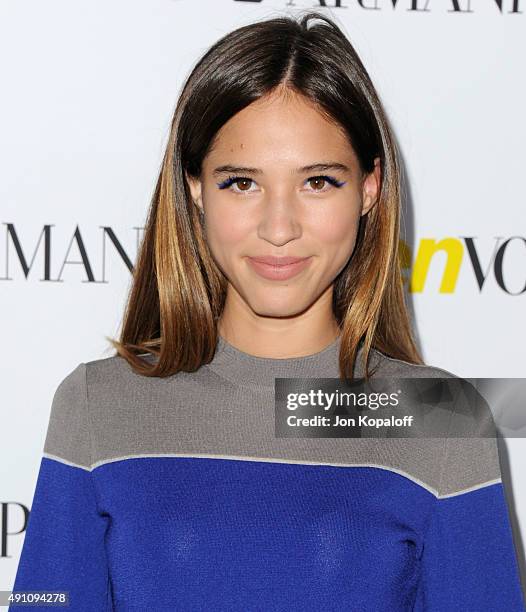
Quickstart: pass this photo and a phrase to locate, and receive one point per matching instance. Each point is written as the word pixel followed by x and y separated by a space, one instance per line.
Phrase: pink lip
pixel 277 261
pixel 279 268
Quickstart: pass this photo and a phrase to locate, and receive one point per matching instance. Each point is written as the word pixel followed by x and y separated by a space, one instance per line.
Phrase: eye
pixel 322 179
pixel 243 183
pixel 240 181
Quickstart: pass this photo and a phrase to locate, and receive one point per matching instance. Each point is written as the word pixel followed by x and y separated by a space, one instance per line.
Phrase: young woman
pixel 270 251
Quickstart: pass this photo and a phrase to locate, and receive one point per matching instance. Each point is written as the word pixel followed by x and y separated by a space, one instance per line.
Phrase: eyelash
pixel 330 179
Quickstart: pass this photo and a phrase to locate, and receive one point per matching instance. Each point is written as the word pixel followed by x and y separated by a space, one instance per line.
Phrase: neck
pixel 278 337
pixel 247 370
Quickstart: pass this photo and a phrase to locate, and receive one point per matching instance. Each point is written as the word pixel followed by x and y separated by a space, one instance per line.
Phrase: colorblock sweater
pixel 174 494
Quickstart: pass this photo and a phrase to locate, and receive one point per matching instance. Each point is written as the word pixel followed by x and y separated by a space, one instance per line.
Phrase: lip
pixel 277 261
pixel 279 268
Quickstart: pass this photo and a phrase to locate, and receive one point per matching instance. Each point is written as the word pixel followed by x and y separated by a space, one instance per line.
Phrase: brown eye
pixel 317 180
pixel 243 181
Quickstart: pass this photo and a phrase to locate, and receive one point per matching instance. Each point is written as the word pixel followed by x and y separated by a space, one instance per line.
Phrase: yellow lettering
pixel 426 250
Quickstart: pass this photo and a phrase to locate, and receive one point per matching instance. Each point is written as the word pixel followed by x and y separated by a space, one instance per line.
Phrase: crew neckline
pixel 245 369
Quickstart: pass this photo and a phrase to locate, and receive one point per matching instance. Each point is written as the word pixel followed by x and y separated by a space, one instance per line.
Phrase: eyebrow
pixel 322 167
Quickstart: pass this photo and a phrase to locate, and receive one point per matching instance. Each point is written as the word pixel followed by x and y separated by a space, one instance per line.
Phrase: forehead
pixel 281 129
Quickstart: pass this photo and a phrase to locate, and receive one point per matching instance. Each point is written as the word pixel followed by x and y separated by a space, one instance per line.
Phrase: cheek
pixel 227 226
pixel 335 227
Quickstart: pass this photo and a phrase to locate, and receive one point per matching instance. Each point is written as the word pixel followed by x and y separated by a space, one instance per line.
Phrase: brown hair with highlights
pixel 177 291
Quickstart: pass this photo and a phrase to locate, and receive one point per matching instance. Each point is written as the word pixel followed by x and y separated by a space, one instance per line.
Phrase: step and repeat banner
pixel 88 92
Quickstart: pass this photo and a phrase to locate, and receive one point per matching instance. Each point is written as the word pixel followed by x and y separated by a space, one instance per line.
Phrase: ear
pixel 371 187
pixel 196 190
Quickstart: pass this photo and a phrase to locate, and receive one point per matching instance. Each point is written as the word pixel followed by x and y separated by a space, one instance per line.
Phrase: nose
pixel 279 222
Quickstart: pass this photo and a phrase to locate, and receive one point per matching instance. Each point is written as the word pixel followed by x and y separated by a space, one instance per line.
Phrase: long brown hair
pixel 178 292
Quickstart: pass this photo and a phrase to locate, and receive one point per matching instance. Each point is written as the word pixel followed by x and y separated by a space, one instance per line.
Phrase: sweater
pixel 175 494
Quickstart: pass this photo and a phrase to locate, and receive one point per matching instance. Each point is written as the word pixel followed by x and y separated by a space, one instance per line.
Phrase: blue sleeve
pixel 468 561
pixel 63 547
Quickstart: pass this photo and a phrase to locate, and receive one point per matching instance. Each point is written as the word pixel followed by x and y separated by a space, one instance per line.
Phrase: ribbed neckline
pixel 244 369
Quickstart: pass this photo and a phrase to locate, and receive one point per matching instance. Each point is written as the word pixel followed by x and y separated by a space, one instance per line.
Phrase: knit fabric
pixel 174 494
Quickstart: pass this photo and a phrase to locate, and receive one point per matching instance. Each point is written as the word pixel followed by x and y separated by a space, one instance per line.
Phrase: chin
pixel 278 306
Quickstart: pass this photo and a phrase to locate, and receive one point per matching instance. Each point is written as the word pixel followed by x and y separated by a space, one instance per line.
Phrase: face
pixel 293 188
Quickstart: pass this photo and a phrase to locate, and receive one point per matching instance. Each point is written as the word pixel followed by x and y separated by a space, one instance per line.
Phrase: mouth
pixel 277 261
pixel 279 268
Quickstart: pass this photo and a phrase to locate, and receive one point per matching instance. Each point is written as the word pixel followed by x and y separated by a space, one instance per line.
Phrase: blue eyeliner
pixel 232 179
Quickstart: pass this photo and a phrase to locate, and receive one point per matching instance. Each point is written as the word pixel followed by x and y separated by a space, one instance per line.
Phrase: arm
pixel 468 561
pixel 64 542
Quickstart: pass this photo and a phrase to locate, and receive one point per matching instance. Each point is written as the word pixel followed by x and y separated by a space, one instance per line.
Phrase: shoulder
pixel 470 457
pixel 470 412
pixel 111 381
pixel 104 368
pixel 389 366
pixel 113 371
pixel 76 409
pixel 67 437
pixel 75 392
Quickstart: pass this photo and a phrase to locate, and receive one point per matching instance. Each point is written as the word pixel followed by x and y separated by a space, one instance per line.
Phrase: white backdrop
pixel 88 91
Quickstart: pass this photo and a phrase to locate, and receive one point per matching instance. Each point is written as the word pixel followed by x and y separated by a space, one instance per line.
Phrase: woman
pixel 270 251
